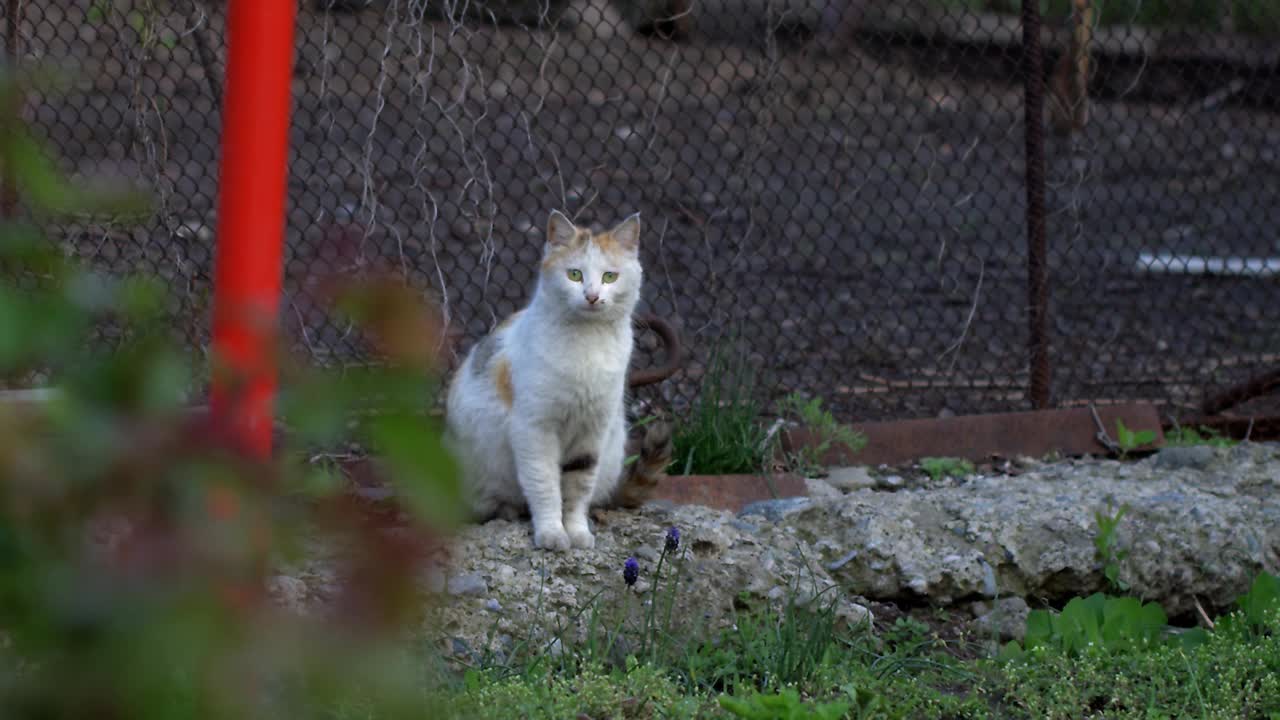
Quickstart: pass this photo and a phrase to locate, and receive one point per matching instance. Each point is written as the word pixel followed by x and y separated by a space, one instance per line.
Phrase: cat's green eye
pixel 575 274
pixel 610 277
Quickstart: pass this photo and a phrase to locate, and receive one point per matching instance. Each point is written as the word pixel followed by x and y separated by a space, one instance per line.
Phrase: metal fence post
pixel 251 217
pixel 13 35
pixel 1037 251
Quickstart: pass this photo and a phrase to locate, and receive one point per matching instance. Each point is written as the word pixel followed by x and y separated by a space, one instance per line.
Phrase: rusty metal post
pixel 1037 251
pixel 12 36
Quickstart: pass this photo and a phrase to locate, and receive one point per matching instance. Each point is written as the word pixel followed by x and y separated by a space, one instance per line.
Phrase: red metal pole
pixel 251 207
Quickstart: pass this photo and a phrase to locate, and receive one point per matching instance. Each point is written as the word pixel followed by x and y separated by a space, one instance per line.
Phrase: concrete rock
pixel 470 584
pixel 1190 533
pixel 720 566
pixel 1198 457
pixel 776 510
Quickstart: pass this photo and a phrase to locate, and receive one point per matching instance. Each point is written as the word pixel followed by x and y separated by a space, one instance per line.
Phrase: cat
pixel 535 412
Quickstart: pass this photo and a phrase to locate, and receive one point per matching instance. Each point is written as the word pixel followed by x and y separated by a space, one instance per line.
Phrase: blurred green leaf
pixel 1262 598
pixel 45 188
pixel 422 469
pixel 322 480
pixel 141 299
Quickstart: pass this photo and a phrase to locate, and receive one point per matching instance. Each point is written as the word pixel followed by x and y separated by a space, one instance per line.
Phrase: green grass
pixel 723 434
pixel 726 431
pixel 1188 436
pixel 1229 676
pixel 908 671
pixel 940 467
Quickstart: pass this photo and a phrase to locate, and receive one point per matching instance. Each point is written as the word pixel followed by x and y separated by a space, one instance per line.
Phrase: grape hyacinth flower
pixel 631 571
pixel 673 539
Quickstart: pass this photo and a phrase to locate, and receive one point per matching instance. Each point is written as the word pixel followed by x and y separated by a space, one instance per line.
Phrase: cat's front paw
pixel 582 538
pixel 551 539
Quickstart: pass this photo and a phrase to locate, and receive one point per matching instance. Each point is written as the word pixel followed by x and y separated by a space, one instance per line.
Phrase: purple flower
pixel 673 539
pixel 631 571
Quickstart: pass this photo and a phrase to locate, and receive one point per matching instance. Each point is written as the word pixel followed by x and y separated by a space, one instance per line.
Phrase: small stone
pixel 776 510
pixel 435 580
pixel 1197 457
pixel 288 591
pixel 459 647
pixel 849 479
pixel 854 614
pixel 842 560
pixel 375 495
pixel 470 584
pixel 1007 618
pixel 891 482
pixel 820 489
pixel 492 605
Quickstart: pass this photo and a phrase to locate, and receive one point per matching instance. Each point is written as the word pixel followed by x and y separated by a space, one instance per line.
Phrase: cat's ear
pixel 627 233
pixel 560 230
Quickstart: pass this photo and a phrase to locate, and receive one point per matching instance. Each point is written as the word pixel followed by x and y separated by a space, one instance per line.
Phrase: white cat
pixel 535 412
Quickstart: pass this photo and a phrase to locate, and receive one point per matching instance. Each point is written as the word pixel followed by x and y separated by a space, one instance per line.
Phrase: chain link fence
pixel 838 186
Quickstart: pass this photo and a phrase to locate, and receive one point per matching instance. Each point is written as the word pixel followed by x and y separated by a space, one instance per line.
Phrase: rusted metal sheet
pixel 1233 396
pixel 726 492
pixel 1070 431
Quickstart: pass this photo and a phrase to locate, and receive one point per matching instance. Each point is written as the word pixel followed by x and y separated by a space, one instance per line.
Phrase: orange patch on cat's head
pixel 558 251
pixel 623 239
pixel 565 239
pixel 502 382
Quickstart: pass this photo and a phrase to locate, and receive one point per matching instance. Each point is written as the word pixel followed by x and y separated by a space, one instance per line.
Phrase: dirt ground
pixel 857 220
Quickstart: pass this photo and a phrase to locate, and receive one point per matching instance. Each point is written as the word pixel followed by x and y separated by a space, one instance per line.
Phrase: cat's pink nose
pixel 593 298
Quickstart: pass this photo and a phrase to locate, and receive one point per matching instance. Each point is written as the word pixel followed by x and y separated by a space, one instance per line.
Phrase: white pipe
pixel 1175 264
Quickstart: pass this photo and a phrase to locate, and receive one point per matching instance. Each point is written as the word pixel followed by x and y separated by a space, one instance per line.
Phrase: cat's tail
pixel 651 459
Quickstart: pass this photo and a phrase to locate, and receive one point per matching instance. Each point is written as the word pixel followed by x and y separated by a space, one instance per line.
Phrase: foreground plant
pixel 136 541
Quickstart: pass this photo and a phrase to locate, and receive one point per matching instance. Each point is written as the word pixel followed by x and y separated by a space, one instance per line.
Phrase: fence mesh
pixel 838 184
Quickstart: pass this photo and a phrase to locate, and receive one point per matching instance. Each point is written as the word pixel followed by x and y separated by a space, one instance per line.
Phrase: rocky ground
pixel 973 553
